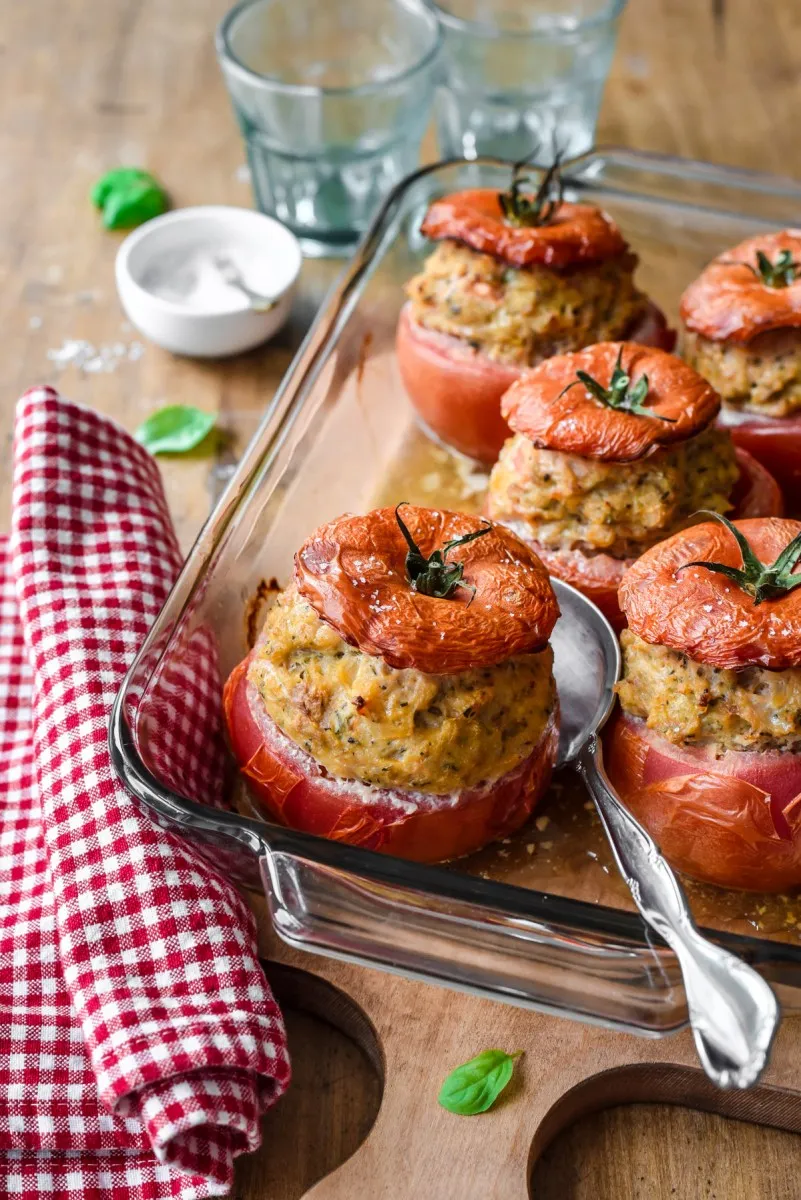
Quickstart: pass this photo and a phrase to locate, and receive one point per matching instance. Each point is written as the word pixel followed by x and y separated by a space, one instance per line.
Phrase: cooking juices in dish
pixel 613 448
pixel 514 279
pixel 707 749
pixel 743 332
pixel 400 695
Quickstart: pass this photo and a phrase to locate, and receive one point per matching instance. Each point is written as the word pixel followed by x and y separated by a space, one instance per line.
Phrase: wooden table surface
pixel 87 85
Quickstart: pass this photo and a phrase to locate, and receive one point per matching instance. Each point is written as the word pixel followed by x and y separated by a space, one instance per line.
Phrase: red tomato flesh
pixel 295 791
pixel 734 821
pixel 775 442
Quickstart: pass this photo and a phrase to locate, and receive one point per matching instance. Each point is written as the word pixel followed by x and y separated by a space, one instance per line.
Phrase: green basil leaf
pixel 476 1085
pixel 128 196
pixel 175 429
pixel 119 177
pixel 137 204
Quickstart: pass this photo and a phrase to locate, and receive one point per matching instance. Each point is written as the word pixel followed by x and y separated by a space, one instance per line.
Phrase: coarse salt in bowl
pixel 176 296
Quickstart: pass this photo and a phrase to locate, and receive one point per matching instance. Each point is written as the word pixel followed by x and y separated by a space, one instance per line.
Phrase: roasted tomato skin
pixel 756 493
pixel 775 442
pixel 672 599
pixel 576 235
pixel 733 821
pixel 730 302
pixel 295 792
pixel 456 390
pixel 598 576
pixel 547 409
pixel 353 572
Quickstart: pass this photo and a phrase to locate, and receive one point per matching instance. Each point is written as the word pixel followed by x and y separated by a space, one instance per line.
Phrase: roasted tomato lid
pixel 705 613
pixel 747 290
pixel 576 235
pixel 354 572
pixel 615 401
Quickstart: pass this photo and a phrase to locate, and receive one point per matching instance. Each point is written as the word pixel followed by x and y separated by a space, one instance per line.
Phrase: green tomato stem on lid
pixel 620 394
pixel 758 580
pixel 433 576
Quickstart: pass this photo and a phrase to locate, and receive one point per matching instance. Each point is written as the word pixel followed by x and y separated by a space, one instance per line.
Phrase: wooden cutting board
pixel 415 1033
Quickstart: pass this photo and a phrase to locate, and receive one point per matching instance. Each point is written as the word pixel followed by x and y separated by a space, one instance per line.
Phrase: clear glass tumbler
pixel 523 75
pixel 333 98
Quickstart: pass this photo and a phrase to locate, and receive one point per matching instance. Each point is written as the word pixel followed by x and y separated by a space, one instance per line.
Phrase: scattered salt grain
pixel 35 323
pixel 242 173
pixel 92 360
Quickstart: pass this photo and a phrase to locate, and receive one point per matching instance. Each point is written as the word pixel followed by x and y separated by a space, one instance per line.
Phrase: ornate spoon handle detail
pixel 733 1011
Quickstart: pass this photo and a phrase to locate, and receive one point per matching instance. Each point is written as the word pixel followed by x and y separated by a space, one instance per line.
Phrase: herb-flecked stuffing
pixel 689 703
pixel 760 376
pixel 361 719
pixel 566 502
pixel 522 315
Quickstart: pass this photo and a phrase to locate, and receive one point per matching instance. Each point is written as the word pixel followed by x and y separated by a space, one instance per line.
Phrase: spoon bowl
pixel 586 665
pixel 733 1012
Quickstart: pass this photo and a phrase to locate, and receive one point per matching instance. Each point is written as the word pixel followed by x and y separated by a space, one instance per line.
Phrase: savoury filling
pixel 761 376
pixel 566 502
pixel 520 315
pixel 689 703
pixel 364 720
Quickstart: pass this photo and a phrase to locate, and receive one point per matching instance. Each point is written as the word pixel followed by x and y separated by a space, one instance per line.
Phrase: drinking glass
pixel 522 77
pixel 333 98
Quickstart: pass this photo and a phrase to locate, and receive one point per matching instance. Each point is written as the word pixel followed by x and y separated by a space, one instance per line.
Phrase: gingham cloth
pixel 139 1041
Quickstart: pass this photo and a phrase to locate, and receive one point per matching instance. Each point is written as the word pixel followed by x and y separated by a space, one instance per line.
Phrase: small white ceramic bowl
pixel 213 320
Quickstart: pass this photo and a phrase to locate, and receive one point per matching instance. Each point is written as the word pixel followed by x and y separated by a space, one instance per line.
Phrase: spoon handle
pixel 733 1011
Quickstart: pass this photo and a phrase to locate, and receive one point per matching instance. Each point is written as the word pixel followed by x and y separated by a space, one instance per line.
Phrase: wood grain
pixel 85 86
pixel 611 1156
pixel 568 1072
pixel 325 1116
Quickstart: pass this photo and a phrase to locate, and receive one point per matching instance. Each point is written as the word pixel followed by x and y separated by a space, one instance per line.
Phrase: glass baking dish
pixel 541 920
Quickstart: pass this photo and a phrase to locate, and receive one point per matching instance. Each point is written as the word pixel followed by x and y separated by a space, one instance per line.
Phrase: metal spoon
pixel 734 1014
pixel 232 276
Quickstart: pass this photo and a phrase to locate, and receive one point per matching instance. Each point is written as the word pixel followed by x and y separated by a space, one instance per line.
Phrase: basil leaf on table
pixel 175 429
pixel 476 1085
pixel 128 196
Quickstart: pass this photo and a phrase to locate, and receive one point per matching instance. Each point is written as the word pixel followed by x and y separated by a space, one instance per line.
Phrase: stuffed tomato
pixel 514 279
pixel 613 449
pixel 706 747
pixel 401 695
pixel 742 320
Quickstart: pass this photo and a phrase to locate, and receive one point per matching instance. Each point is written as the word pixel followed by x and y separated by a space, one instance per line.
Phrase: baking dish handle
pixel 374 920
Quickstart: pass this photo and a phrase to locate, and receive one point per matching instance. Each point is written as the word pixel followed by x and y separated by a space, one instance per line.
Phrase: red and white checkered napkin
pixel 139 1041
